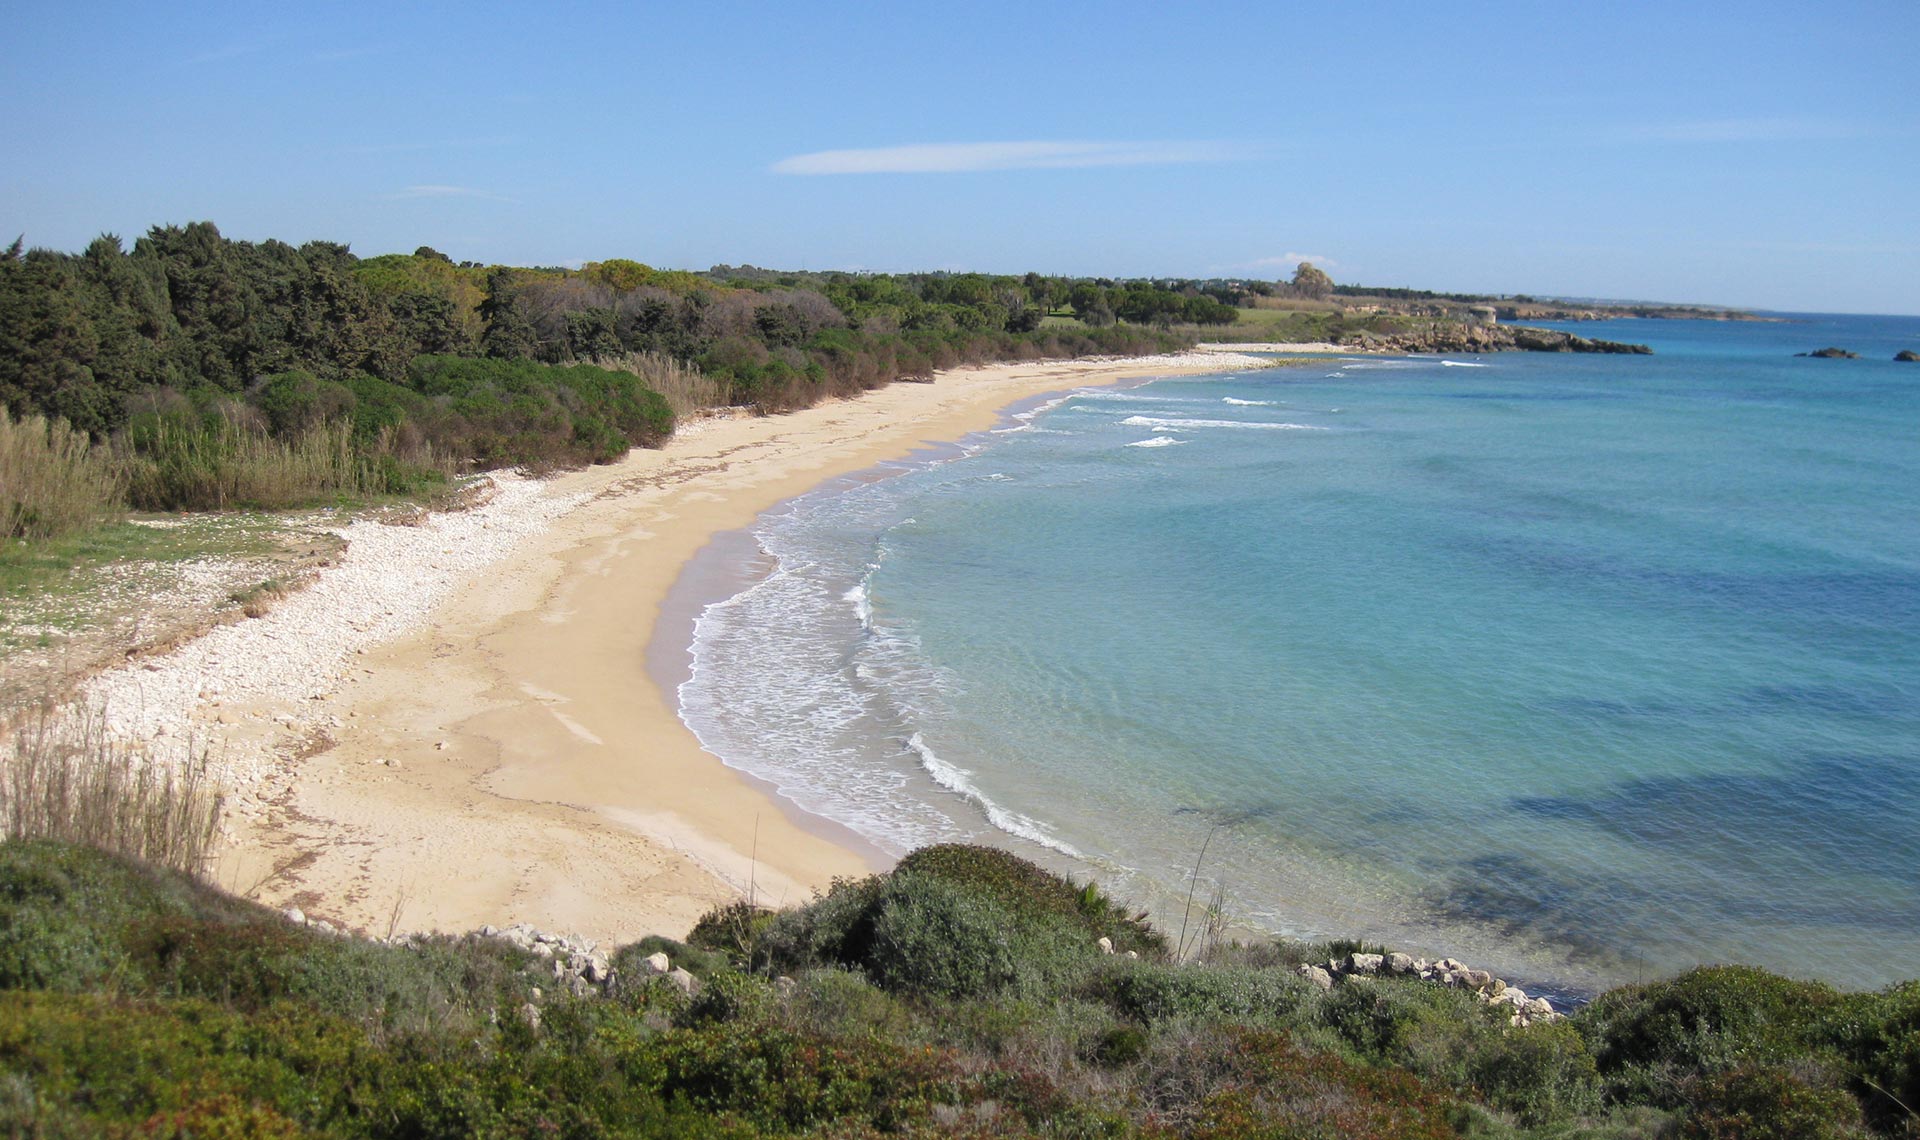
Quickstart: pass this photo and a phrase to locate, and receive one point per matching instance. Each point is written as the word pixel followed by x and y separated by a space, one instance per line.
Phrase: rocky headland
pixel 1453 336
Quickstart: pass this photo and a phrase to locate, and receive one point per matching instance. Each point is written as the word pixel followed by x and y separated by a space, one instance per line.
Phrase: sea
pixel 1584 669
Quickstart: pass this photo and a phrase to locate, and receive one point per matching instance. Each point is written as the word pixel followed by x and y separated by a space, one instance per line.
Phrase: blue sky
pixel 1757 154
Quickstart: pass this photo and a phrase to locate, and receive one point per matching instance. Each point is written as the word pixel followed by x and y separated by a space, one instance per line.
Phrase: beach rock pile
pixel 578 965
pixel 1525 1010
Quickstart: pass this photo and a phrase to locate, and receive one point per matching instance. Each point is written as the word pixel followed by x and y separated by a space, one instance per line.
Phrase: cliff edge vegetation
pixel 964 993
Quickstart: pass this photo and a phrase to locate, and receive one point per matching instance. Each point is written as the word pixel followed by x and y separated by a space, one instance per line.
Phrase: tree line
pixel 200 346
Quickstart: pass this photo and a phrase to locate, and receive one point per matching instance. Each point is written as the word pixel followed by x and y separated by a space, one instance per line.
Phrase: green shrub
pixel 1150 992
pixel 700 962
pixel 1768 1102
pixel 1036 894
pixel 1885 1052
pixel 842 1003
pixel 65 909
pixel 776 1079
pixel 728 996
pixel 1541 1073
pixel 1400 1022
pixel 731 929
pixel 834 929
pixel 1245 1084
pixel 1649 1039
pixel 932 937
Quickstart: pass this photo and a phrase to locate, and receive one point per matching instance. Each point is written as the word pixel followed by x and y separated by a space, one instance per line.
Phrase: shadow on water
pixel 1888 598
pixel 1785 698
pixel 1860 814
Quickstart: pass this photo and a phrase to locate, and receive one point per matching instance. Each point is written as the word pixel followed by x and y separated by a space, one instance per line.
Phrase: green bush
pixel 1768 1102
pixel 1649 1039
pixel 1260 1085
pixel 932 937
pixel 702 963
pixel 731 929
pixel 728 996
pixel 1150 992
pixel 1541 1074
pixel 65 910
pixel 779 1080
pixel 1885 1051
pixel 843 1003
pixel 1035 894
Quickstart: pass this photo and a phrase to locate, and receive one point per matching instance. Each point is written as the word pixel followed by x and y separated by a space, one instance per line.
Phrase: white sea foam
pixel 1186 425
pixel 1158 441
pixel 1460 364
pixel 862 605
pixel 954 779
pixel 1106 396
pixel 1247 403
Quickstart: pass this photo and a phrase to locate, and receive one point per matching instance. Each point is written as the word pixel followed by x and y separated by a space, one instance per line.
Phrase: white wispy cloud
pixel 954 158
pixel 449 192
pixel 1780 129
pixel 1289 260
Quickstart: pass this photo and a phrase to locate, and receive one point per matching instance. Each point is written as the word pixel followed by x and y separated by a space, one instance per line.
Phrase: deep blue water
pixel 1588 668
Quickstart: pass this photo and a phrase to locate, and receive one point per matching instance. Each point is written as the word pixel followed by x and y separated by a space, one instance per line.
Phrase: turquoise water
pixel 1586 668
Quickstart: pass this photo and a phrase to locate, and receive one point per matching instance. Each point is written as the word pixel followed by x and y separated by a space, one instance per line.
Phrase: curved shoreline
pixel 514 758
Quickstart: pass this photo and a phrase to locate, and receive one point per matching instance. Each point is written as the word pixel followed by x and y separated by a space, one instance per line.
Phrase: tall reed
pixel 63 777
pixel 688 390
pixel 53 479
pixel 175 465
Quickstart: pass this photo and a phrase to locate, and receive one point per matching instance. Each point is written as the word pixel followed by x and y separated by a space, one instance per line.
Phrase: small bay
pixel 1588 668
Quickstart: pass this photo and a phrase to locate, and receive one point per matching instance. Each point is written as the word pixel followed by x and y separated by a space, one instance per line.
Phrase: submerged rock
pixel 1830 353
pixel 1907 355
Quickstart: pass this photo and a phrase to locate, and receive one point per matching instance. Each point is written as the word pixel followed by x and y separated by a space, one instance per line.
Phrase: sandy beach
pixel 508 757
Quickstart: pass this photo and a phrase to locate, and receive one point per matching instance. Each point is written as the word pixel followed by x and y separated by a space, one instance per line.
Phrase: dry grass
pixel 62 777
pixel 53 480
pixel 688 390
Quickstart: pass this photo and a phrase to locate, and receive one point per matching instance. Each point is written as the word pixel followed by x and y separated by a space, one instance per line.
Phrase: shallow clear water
pixel 1587 668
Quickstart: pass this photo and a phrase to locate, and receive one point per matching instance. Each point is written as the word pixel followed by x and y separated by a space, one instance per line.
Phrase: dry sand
pixel 510 759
